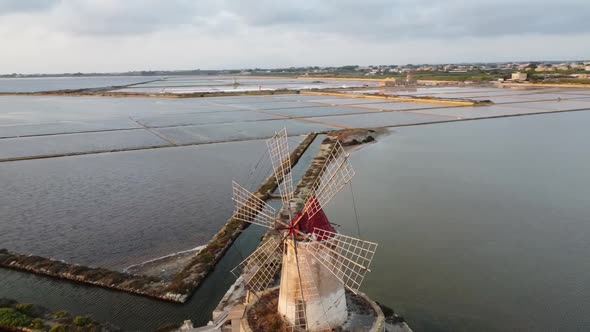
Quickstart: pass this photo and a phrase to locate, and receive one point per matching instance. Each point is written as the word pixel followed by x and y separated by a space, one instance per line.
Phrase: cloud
pixel 17 6
pixel 115 17
pixel 376 19
pixel 394 19
pixel 105 35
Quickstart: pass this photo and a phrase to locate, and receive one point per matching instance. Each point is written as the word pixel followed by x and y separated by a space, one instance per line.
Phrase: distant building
pixel 410 80
pixel 390 81
pixel 587 68
pixel 518 76
pixel 584 76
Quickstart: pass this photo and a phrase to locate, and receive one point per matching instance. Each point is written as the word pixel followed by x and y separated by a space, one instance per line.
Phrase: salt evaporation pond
pixel 132 312
pixel 482 225
pixel 117 209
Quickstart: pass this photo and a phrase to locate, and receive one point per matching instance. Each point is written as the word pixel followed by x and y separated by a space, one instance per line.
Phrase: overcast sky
pixel 53 36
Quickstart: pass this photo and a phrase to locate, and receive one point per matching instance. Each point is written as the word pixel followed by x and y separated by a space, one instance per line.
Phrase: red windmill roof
pixel 319 221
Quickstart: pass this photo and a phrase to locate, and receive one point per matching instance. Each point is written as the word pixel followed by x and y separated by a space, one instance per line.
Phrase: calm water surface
pixel 117 209
pixel 131 312
pixel 166 222
pixel 482 225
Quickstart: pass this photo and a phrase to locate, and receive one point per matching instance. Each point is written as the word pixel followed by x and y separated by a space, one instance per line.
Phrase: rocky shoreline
pixel 136 284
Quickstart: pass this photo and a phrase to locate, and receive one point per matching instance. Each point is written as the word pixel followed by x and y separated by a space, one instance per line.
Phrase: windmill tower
pixel 316 263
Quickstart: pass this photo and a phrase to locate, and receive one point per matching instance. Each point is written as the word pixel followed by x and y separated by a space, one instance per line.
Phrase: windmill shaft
pixel 306 284
pixel 300 285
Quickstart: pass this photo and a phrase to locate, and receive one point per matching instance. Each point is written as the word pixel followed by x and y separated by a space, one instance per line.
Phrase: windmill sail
pixel 278 146
pixel 251 209
pixel 335 174
pixel 260 268
pixel 346 257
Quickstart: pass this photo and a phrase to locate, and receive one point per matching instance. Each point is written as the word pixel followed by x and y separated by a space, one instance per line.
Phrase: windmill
pixel 316 263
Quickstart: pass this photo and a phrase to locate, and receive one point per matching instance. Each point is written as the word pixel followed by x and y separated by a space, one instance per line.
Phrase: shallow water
pixel 82 142
pixel 131 312
pixel 116 209
pixel 482 226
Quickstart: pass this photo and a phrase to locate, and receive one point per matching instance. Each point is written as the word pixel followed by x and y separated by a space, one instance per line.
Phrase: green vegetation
pixel 58 328
pixel 472 75
pixel 61 314
pixel 83 321
pixel 13 317
pixel 13 314
pixel 475 76
pixel 574 80
pixel 25 308
pixel 38 324
pixel 207 257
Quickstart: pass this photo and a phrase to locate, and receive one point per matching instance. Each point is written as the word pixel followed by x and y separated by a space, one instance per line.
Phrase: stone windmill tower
pixel 315 263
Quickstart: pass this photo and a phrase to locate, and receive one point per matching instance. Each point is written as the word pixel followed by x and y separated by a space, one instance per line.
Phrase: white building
pixel 519 76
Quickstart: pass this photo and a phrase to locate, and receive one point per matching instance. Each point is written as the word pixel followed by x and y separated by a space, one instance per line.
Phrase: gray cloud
pixel 88 17
pixel 420 18
pixel 374 19
pixel 107 35
pixel 18 6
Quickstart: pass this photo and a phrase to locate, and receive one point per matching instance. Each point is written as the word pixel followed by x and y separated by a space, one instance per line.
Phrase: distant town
pixel 542 71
